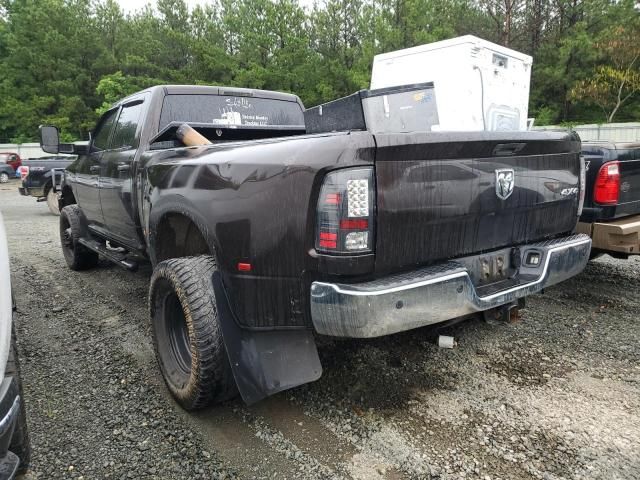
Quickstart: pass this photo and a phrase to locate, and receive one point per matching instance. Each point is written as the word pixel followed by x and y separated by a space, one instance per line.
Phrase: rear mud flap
pixel 265 363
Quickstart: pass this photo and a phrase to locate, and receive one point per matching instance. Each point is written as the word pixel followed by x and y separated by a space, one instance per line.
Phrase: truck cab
pixel 107 177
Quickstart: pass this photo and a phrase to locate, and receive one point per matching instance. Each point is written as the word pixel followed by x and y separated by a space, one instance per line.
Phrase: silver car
pixel 14 440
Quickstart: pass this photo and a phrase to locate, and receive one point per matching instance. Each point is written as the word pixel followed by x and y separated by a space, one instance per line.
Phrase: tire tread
pixel 80 258
pixel 212 381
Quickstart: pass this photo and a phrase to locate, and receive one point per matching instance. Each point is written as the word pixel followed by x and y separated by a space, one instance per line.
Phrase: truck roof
pixel 216 90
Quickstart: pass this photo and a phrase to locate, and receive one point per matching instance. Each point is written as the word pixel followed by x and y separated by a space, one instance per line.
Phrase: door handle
pixel 124 167
pixel 94 168
pixel 506 149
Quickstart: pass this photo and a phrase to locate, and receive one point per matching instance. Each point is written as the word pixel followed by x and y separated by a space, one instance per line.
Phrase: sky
pixel 133 5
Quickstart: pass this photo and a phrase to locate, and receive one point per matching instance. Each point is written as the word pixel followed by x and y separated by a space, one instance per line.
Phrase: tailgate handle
pixel 504 149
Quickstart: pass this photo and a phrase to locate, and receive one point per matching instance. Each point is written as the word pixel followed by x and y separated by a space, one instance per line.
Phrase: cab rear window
pixel 226 110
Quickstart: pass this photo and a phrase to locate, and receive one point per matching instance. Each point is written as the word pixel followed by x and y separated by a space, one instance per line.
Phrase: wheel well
pixel 67 196
pixel 178 236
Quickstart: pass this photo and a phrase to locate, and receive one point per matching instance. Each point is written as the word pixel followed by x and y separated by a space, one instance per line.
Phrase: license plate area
pixel 493 267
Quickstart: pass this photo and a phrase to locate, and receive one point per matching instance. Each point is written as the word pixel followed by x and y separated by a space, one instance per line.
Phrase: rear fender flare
pixel 177 204
pixel 47 186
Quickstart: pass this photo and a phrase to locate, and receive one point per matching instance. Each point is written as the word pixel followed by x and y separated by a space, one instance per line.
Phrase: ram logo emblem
pixel 505 180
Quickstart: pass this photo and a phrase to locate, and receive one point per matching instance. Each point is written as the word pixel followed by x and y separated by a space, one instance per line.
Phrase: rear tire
pixel 72 228
pixel 20 444
pixel 187 335
pixel 52 202
pixel 4 177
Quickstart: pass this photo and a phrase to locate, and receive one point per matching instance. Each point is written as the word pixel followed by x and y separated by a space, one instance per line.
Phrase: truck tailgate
pixel 596 155
pixel 630 184
pixel 437 196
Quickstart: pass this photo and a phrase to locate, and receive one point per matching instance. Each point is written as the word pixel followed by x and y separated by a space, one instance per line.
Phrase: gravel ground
pixel 555 395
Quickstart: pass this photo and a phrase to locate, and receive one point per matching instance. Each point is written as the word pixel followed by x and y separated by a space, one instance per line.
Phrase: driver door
pixel 88 174
pixel 117 174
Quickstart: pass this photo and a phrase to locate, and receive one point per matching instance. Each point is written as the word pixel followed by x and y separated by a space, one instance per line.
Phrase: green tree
pixel 116 86
pixel 64 61
pixel 50 55
pixel 615 83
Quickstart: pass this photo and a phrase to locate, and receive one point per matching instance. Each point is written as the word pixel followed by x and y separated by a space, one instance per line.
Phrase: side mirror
pixel 50 142
pixel 49 139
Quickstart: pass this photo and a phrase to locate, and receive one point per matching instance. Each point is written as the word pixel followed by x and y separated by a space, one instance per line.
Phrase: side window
pixel 126 126
pixel 101 135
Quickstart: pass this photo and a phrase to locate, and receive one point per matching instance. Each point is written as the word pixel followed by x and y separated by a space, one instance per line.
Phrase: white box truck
pixel 478 85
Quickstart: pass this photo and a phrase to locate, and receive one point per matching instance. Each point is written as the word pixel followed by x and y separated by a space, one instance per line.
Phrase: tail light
pixel 24 172
pixel 607 188
pixel 345 213
pixel 583 185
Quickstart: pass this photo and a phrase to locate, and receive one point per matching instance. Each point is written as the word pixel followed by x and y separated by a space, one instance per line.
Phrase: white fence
pixel 25 150
pixel 613 132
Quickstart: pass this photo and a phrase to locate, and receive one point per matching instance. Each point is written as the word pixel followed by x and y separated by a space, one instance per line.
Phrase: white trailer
pixel 478 85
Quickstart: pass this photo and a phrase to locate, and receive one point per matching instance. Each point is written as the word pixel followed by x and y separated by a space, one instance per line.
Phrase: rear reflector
pixel 244 267
pixel 607 187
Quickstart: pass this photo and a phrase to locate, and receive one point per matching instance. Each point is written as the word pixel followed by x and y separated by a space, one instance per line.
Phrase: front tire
pixel 52 202
pixel 187 335
pixel 72 228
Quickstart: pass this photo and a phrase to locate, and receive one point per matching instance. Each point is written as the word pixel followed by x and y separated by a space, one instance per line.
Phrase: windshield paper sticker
pixel 231 113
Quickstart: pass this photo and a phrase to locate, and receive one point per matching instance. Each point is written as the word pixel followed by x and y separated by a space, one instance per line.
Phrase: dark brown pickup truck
pixel 352 219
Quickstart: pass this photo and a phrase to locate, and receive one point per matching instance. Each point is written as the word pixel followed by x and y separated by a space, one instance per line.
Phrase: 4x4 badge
pixel 505 180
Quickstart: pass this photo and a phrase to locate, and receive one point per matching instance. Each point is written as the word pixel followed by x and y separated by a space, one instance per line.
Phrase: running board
pixel 118 258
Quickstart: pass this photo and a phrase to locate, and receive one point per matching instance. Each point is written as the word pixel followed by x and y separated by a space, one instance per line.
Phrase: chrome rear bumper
pixel 436 294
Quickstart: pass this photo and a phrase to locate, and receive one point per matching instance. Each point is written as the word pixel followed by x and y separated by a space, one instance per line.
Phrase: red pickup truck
pixel 12 159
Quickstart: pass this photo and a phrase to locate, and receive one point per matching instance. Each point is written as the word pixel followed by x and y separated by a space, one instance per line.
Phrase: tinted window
pixel 628 154
pixel 407 109
pixel 101 135
pixel 125 131
pixel 229 110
